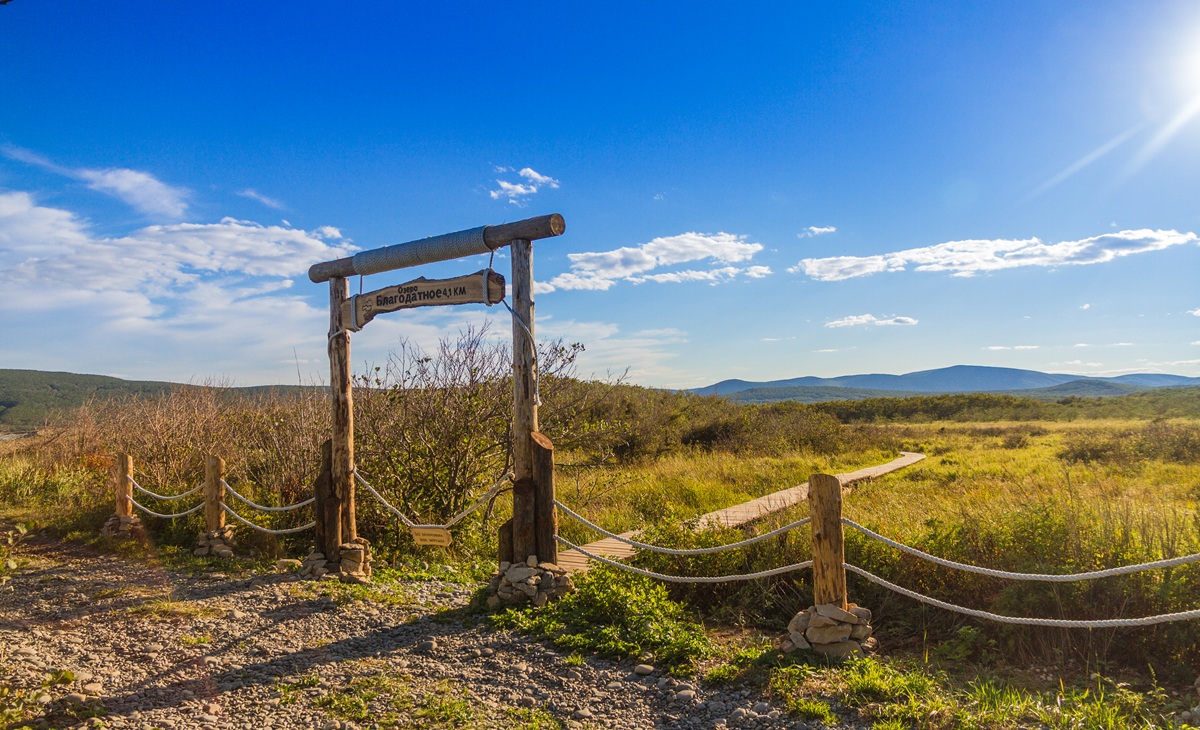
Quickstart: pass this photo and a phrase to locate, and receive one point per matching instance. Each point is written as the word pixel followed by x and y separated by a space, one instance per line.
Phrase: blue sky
pixel 760 192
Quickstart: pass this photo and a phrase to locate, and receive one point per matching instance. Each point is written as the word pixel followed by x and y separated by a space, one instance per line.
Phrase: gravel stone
pixel 276 649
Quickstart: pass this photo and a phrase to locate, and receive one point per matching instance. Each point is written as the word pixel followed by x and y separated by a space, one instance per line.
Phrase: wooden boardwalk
pixel 739 514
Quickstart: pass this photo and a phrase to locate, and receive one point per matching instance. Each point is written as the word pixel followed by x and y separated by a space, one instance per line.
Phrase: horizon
pixel 757 195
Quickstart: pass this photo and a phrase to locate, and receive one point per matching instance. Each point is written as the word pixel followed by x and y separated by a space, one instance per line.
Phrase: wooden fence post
pixel 122 486
pixel 829 571
pixel 343 409
pixel 525 418
pixel 214 492
pixel 329 520
pixel 546 521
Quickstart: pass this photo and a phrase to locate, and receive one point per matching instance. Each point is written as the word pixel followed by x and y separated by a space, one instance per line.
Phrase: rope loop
pixel 673 551
pixel 683 578
pixel 1111 623
pixel 1041 577
pixel 159 514
pixel 250 524
pixel 163 497
pixel 449 523
pixel 264 508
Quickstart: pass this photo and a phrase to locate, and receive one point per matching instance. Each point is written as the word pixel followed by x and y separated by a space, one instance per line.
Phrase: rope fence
pixel 214 488
pixel 483 499
pixel 148 511
pixel 684 578
pixel 1042 577
pixel 250 524
pixel 872 535
pixel 673 551
pixel 264 508
pixel 164 498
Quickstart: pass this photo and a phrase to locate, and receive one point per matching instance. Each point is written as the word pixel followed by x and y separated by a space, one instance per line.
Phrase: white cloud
pixel 1197 342
pixel 812 231
pixel 600 270
pixel 180 297
pixel 516 192
pixel 966 258
pixel 538 179
pixel 253 194
pixel 714 276
pixel 140 190
pixel 1194 312
pixel 830 350
pixel 1085 306
pixel 1013 347
pixel 856 320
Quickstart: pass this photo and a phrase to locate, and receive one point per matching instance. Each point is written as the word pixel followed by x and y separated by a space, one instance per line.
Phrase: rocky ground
pixel 150 648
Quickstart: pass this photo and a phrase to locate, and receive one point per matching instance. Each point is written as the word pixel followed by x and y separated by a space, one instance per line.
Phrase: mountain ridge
pixel 952 379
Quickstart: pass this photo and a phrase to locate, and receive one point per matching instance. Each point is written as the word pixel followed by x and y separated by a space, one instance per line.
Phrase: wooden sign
pixel 469 289
pixel 431 536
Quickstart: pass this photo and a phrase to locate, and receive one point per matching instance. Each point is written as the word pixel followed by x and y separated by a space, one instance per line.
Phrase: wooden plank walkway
pixel 739 514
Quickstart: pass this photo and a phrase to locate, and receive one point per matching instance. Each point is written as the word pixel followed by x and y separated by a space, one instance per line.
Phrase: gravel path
pixel 154 649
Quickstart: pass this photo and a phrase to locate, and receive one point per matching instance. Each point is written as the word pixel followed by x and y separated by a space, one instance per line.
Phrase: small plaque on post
pixel 431 536
pixel 469 289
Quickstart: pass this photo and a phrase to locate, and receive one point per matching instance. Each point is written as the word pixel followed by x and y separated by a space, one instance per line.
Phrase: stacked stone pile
pixel 528 581
pixel 356 561
pixel 353 567
pixel 828 629
pixel 123 526
pixel 218 542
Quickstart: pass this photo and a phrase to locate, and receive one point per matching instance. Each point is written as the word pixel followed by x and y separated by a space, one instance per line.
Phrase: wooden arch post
pixel 532 452
pixel 342 528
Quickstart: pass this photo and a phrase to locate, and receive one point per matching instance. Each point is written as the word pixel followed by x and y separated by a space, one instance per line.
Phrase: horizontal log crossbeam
pixel 439 248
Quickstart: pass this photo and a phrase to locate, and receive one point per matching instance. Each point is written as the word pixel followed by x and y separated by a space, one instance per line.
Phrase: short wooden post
pixel 329 520
pixel 829 570
pixel 214 492
pixel 343 408
pixel 123 484
pixel 506 542
pixel 546 522
pixel 525 417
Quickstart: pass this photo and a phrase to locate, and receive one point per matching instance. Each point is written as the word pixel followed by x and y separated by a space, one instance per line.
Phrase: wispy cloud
pixel 600 270
pixel 826 350
pixel 1194 312
pixel 517 192
pixel 856 320
pixel 812 231
pixel 1013 347
pixel 253 194
pixel 967 258
pixel 1085 306
pixel 140 190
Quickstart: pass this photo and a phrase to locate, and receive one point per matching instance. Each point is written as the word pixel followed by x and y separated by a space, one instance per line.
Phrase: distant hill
pixel 955 379
pixel 814 394
pixel 27 397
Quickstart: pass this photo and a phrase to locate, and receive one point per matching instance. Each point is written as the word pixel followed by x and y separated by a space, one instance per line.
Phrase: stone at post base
pixel 831 631
pixel 123 526
pixel 218 543
pixel 355 565
pixel 529 581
